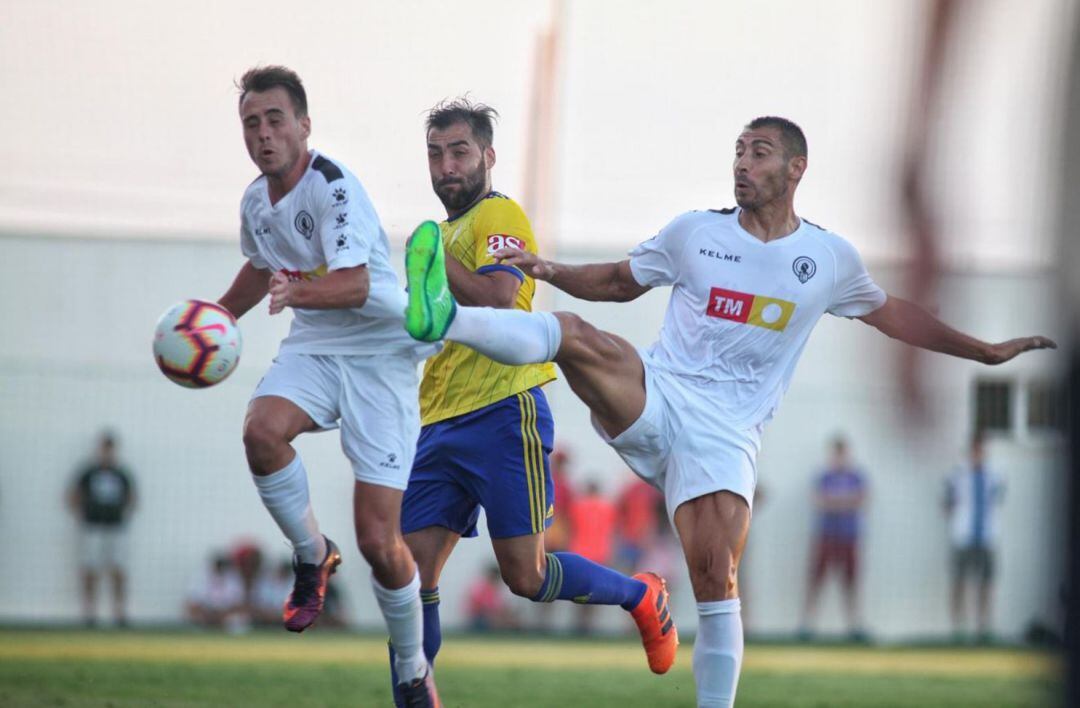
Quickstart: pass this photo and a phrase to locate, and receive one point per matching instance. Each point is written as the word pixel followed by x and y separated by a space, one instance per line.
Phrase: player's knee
pixel 260 437
pixel 714 575
pixel 580 340
pixel 379 546
pixel 523 583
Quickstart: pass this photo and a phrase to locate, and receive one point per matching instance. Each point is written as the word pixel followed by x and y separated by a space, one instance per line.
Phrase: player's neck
pixel 769 221
pixel 277 186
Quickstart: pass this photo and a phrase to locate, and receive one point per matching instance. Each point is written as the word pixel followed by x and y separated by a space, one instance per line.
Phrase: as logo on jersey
pixel 497 241
pixel 756 310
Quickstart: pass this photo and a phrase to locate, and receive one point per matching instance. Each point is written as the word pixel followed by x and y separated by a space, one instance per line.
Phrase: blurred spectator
pixel 271 590
pixel 592 535
pixel 972 495
pixel 664 555
pixel 637 519
pixel 247 559
pixel 486 607
pixel 557 536
pixel 102 498
pixel 839 497
pixel 217 598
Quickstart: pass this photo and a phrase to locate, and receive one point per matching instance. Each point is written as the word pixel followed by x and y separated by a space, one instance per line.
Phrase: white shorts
pixel 102 546
pixel 682 444
pixel 374 399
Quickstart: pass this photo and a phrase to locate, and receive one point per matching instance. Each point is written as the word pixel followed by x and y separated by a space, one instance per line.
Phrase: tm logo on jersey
pixel 757 310
pixel 497 241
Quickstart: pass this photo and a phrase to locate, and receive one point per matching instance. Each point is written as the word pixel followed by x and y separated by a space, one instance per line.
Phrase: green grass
pixel 180 669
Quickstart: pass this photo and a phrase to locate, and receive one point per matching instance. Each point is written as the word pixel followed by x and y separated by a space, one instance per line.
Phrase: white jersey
pixel 326 222
pixel 741 310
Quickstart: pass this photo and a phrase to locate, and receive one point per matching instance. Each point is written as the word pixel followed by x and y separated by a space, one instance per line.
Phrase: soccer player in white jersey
pixel 687 413
pixel 314 242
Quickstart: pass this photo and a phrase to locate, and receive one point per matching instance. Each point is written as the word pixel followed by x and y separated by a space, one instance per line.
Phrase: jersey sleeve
pixel 854 293
pixel 502 224
pixel 248 246
pixel 346 224
pixel 658 260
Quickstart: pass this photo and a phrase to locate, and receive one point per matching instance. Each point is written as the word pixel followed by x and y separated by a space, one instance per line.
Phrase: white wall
pixel 75 356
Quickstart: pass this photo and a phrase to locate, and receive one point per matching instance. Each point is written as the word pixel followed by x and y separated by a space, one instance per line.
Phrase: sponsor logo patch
pixel 497 241
pixel 757 310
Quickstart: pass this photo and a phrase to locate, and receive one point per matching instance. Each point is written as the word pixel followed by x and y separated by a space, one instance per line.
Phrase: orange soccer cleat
pixel 658 633
pixel 305 603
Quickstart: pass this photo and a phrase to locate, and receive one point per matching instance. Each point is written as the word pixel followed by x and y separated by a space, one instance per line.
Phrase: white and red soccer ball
pixel 197 343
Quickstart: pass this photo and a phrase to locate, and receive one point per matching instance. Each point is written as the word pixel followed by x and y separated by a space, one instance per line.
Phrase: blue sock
pixel 573 577
pixel 432 628
pixel 432 632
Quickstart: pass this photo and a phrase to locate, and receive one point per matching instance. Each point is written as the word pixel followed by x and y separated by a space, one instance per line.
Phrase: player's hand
pixel 280 292
pixel 528 263
pixel 1004 351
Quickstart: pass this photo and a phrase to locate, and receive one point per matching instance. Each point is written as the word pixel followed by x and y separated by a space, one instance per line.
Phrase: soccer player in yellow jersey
pixel 487 430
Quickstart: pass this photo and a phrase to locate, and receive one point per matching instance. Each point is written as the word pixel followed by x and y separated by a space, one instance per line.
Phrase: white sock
pixel 404 615
pixel 718 652
pixel 285 495
pixel 512 337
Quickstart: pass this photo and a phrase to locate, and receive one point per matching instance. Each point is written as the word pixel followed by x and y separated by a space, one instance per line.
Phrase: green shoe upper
pixel 431 306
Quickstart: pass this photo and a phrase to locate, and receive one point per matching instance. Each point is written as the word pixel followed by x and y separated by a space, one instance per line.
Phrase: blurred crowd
pixel 625 528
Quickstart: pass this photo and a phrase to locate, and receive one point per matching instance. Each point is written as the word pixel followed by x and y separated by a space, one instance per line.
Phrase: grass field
pixel 180 669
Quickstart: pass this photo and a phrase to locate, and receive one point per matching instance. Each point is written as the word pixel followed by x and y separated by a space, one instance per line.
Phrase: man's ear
pixel 796 167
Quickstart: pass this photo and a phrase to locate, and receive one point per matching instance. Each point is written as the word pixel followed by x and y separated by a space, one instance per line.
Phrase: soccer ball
pixel 197 343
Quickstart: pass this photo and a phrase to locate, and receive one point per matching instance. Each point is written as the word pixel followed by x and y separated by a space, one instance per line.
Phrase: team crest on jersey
pixel 497 241
pixel 341 197
pixel 804 268
pixel 305 224
pixel 745 308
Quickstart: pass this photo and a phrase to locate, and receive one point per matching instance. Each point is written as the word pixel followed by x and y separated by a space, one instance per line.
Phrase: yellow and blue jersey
pixel 459 380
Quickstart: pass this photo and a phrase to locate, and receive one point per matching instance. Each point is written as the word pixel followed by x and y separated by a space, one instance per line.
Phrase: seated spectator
pixel 486 607
pixel 217 599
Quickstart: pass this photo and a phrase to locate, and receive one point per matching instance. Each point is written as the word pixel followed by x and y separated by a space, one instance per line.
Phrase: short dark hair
pixel 479 117
pixel 264 78
pixel 791 135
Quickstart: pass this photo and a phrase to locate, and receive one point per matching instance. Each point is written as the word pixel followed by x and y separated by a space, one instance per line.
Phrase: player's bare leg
pixel 431 548
pixel 713 530
pixel 396 582
pixel 272 423
pixel 604 370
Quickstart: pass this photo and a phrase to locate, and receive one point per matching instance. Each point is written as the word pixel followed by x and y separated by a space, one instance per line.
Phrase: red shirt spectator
pixel 592 521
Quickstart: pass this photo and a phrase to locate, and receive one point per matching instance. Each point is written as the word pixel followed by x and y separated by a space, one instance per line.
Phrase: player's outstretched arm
pixel 601 282
pixel 337 290
pixel 906 321
pixel 248 288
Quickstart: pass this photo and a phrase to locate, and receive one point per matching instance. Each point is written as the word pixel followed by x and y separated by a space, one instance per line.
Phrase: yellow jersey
pixel 459 380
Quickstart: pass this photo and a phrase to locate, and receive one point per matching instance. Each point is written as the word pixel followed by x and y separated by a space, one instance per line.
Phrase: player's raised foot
pixel 420 693
pixel 305 604
pixel 431 306
pixel 658 633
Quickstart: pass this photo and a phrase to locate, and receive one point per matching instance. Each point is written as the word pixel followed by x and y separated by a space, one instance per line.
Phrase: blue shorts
pixel 495 457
